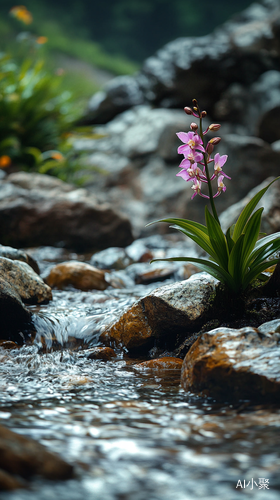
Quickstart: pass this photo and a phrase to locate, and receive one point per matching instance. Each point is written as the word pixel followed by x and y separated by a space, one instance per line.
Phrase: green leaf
pixel 230 242
pixel 251 231
pixel 247 210
pixel 257 270
pixel 208 266
pixel 235 263
pixel 264 248
pixel 217 239
pixel 179 222
pixel 197 232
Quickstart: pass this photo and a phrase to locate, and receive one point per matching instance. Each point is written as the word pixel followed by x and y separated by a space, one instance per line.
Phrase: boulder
pixel 19 284
pixel 77 274
pixel 67 217
pixel 15 254
pixel 167 314
pixel 255 107
pixel 230 365
pixel 26 283
pixel 270 202
pixel 239 51
pixel 21 457
pixel 15 317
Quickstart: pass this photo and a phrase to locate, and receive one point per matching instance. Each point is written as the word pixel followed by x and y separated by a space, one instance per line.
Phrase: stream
pixel 131 435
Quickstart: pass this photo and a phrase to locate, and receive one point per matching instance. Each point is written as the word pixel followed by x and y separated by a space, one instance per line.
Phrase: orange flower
pixel 57 156
pixel 41 40
pixel 5 161
pixel 21 13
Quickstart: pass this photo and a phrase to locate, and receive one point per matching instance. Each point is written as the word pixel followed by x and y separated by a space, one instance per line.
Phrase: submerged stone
pixel 229 364
pixel 160 364
pixel 20 456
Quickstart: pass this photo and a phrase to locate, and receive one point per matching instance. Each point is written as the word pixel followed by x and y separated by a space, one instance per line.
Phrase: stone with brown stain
pixel 24 281
pixel 104 353
pixel 77 274
pixel 8 344
pixel 21 456
pixel 229 364
pixel 19 284
pixel 160 364
pixel 167 311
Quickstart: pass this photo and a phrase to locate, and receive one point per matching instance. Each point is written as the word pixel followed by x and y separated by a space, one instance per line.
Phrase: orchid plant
pixel 236 257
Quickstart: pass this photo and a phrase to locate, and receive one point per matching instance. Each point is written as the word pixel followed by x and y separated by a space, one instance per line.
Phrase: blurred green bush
pixel 33 112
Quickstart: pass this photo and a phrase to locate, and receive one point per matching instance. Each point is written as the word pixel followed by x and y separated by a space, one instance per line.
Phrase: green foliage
pixel 33 111
pixel 236 258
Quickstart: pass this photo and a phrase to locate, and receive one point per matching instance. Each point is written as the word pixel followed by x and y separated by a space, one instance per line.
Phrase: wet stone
pixel 229 364
pixel 160 364
pixel 168 311
pixel 26 283
pixel 24 457
pixel 111 258
pixel 104 353
pixel 77 274
pixel 15 254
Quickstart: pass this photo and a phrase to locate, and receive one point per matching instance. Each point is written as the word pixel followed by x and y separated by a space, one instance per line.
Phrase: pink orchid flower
pixel 219 162
pixel 191 173
pixel 191 158
pixel 221 186
pixel 191 141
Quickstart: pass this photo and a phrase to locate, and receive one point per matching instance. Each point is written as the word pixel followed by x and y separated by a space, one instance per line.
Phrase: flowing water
pixel 131 435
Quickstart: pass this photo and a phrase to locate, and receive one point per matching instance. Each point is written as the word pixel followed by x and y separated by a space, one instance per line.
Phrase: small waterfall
pixel 52 329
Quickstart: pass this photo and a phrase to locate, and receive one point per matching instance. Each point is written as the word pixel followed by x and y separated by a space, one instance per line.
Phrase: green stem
pixel 205 157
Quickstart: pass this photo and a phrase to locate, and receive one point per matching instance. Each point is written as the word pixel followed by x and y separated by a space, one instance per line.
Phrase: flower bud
pixel 209 148
pixel 188 110
pixel 195 108
pixel 203 114
pixel 215 140
pixel 194 126
pixel 194 101
pixel 214 127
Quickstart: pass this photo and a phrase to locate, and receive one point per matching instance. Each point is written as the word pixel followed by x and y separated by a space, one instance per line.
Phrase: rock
pixel 46 216
pixel 77 274
pixel 104 353
pixel 250 162
pixel 8 482
pixel 261 120
pixel 230 365
pixel 118 95
pixel 270 202
pixel 39 181
pixel 7 344
pixel 171 311
pixel 111 258
pixel 15 317
pixel 19 284
pixel 26 283
pixel 160 364
pixel 14 254
pixel 20 456
pixel 239 51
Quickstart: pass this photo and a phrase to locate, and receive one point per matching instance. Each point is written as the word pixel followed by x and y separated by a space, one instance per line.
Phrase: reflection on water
pixel 131 435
